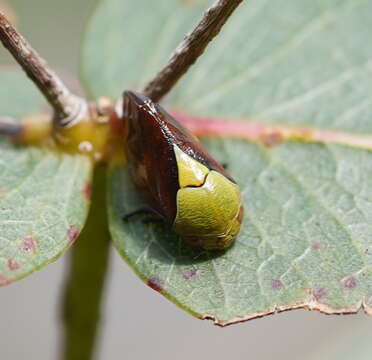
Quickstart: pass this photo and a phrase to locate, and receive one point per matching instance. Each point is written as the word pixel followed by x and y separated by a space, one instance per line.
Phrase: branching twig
pixel 191 48
pixel 67 107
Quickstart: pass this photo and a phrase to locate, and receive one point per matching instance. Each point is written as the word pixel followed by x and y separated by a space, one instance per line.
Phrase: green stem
pixel 85 283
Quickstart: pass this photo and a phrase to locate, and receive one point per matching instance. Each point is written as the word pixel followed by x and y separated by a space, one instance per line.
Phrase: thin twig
pixel 67 107
pixel 191 48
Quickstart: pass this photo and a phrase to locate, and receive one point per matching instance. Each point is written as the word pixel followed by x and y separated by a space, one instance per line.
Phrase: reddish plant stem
pixel 190 48
pixel 271 134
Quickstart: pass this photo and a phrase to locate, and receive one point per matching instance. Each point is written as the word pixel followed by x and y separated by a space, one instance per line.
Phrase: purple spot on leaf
pixel 315 245
pixel 189 274
pixel 29 245
pixel 73 233
pixel 13 265
pixel 156 284
pixel 349 282
pixel 276 284
pixel 320 293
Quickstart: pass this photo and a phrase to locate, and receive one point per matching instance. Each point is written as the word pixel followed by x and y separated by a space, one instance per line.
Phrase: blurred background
pixel 138 322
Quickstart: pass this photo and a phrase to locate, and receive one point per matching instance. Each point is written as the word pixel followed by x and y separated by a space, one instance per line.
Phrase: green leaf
pixel 43 200
pixel 306 238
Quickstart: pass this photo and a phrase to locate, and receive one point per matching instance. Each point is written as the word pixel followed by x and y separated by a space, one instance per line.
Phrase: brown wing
pixel 190 144
pixel 151 156
pixel 151 134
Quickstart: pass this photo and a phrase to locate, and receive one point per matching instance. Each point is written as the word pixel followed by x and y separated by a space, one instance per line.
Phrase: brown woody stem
pixel 190 48
pixel 67 106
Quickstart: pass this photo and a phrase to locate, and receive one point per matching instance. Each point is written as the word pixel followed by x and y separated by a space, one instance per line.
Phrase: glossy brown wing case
pixel 151 133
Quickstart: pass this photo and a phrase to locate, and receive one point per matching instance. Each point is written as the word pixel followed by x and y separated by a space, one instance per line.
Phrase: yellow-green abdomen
pixel 210 212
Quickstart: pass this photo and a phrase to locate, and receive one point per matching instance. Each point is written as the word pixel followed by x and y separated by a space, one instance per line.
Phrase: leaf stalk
pixel 85 283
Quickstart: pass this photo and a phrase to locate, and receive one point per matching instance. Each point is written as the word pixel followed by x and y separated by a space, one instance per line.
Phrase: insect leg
pixel 145 210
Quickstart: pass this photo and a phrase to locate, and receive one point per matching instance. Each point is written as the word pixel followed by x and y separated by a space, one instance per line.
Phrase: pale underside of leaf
pixel 304 240
pixel 306 236
pixel 43 202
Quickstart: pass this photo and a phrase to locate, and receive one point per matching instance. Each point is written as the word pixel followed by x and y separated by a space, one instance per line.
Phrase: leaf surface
pixel 43 194
pixel 306 236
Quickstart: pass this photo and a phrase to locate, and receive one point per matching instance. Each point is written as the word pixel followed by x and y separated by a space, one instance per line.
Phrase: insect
pixel 177 178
